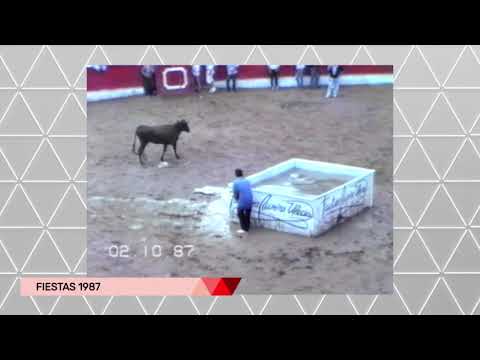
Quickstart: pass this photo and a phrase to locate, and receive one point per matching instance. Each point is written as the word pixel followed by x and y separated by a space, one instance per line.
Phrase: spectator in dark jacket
pixel 149 82
pixel 334 72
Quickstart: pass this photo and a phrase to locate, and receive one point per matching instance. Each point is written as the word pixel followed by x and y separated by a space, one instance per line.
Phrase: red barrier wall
pixel 128 76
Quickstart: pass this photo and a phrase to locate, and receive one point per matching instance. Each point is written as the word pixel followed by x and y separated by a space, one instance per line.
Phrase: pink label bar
pixel 89 286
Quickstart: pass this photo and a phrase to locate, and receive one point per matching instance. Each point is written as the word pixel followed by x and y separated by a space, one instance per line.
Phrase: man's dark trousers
pixel 244 217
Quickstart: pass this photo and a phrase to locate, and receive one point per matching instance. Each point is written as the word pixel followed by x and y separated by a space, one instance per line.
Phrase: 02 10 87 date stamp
pixel 155 251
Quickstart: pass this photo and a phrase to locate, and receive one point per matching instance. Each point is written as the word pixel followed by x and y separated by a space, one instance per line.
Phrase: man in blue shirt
pixel 242 192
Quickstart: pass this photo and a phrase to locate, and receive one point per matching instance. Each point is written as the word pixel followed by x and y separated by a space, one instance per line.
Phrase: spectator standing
pixel 314 76
pixel 210 78
pixel 299 70
pixel 334 72
pixel 197 81
pixel 274 70
pixel 148 75
pixel 232 72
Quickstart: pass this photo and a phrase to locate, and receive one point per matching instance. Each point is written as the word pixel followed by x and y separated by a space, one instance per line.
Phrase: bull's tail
pixel 134 142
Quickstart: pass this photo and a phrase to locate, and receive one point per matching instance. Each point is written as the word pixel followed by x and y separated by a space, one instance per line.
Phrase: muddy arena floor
pixel 144 214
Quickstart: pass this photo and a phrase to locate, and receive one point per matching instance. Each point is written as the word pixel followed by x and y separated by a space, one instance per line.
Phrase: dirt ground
pixel 131 211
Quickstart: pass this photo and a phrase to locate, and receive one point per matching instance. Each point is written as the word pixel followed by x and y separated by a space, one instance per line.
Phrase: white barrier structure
pixel 277 208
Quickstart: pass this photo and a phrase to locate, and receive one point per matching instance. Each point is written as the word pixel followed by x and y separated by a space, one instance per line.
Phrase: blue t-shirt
pixel 242 191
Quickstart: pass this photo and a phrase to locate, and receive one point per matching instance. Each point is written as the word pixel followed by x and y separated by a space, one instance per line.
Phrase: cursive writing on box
pixel 351 196
pixel 291 212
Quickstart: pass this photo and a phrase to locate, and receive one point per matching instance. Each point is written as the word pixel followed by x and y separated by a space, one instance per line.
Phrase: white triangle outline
pixel 467 139
pixel 442 269
pixel 2 209
pixel 203 47
pixel 155 312
pixel 59 251
pixel 60 203
pixel 25 103
pixel 9 258
pixel 91 307
pixel 440 279
pixel 311 48
pixel 60 111
pixel 445 172
pixel 141 57
pixel 87 62
pixel 154 49
pixel 452 111
pixel 22 83
pixel 474 147
pixel 444 85
pixel 12 171
pixel 77 264
pixel 7 108
pixel 47 48
pixel 45 140
pixel 369 306
pixel 45 233
pixel 403 208
pixel 7 202
pixel 403 247
pixel 466 131
pixel 210 308
pixel 402 115
pixel 61 297
pixel 7 294
pixel 250 307
pixel 364 48
pixel 110 302
pixel 456 300
pixel 402 65
pixel 402 159
pixel 32 250
pixel 427 206
pixel 427 114
pixel 303 308
pixel 10 75
pixel 477 119
pixel 400 254
pixel 75 177
pixel 400 297
pixel 2 303
pixel 299 304
pixel 469 222
pixel 429 69
pixel 60 160
pixel 322 300
pixel 259 48
pixel 441 186
pixel 462 238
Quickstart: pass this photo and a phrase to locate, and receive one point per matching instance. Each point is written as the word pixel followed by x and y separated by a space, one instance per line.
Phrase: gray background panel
pixel 436 174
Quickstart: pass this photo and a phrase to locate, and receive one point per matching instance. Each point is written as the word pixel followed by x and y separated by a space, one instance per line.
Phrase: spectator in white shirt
pixel 232 72
pixel 197 82
pixel 273 72
pixel 334 72
pixel 299 75
pixel 210 78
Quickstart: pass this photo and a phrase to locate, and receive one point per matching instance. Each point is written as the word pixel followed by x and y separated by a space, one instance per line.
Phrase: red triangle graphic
pixel 221 289
pixel 211 284
pixel 232 283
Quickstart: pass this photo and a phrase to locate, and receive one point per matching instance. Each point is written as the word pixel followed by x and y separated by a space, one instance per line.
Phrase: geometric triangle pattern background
pixel 437 122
